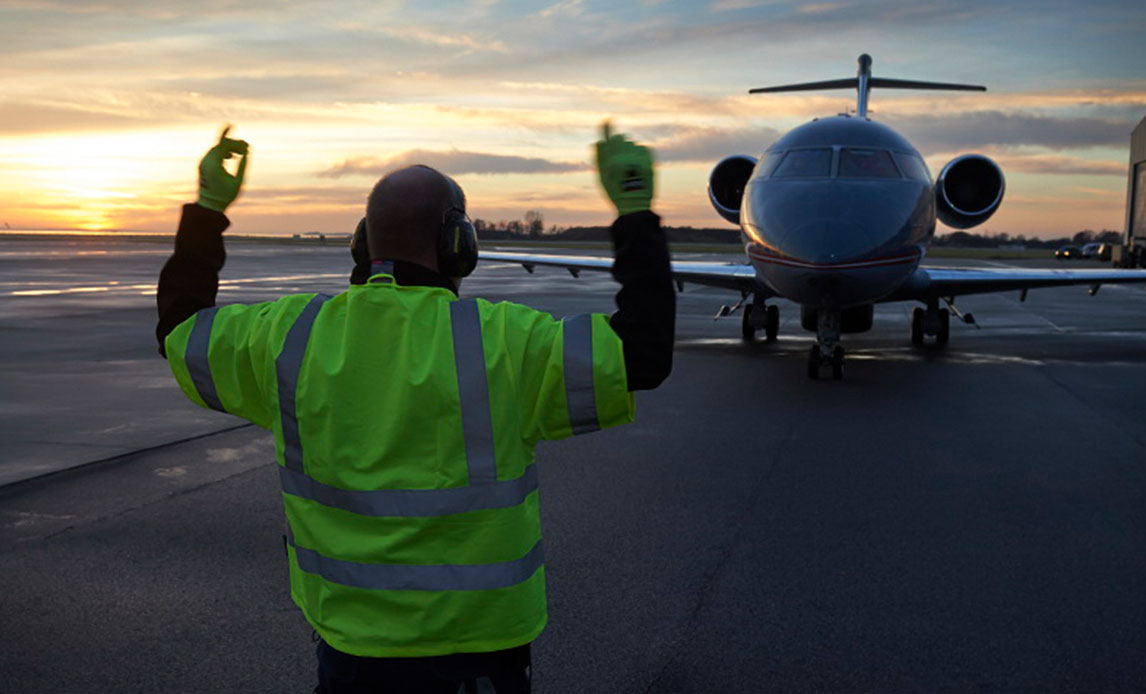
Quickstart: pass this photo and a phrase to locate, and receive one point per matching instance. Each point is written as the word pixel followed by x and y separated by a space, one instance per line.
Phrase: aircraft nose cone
pixel 825 240
pixel 841 221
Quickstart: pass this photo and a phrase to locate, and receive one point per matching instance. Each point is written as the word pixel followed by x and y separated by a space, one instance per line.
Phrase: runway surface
pixel 943 520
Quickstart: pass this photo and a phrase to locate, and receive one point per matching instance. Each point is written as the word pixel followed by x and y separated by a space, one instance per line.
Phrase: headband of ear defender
pixel 457 238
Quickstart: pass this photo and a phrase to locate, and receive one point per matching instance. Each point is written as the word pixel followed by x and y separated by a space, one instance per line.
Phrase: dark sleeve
pixel 190 278
pixel 646 305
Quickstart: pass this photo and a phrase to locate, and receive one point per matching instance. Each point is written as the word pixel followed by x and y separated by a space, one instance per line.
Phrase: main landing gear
pixel 827 352
pixel 936 322
pixel 757 316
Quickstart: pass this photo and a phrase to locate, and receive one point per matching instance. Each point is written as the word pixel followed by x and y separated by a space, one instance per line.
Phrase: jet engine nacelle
pixel 968 191
pixel 726 185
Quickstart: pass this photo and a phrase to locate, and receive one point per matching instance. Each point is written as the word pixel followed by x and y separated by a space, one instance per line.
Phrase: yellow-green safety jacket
pixel 404 423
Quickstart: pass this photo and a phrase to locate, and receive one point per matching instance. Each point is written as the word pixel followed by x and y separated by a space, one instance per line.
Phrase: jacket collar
pixel 409 274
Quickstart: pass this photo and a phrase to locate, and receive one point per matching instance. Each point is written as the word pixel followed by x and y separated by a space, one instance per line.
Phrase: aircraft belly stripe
pixel 857 264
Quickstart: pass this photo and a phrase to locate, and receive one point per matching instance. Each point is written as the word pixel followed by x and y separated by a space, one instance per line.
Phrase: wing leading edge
pixel 931 282
pixel 724 275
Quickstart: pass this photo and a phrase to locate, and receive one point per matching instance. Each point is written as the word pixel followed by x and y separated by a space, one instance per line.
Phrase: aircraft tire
pixel 838 363
pixel 944 333
pixel 917 327
pixel 772 324
pixel 747 330
pixel 814 362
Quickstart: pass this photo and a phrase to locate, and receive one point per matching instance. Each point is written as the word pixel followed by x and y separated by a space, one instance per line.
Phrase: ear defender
pixel 358 250
pixel 457 239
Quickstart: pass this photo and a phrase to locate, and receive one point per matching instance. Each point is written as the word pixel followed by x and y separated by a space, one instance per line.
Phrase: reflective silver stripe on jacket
pixel 287 367
pixel 198 365
pixel 412 503
pixel 578 357
pixel 473 391
pixel 421 576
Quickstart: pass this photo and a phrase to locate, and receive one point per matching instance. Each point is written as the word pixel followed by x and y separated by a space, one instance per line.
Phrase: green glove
pixel 626 171
pixel 218 187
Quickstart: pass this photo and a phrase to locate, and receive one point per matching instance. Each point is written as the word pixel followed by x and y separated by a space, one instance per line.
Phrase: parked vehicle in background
pixel 1068 253
pixel 1106 252
pixel 1090 250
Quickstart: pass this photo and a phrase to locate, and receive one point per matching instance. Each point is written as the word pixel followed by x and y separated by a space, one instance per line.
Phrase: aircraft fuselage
pixel 838 213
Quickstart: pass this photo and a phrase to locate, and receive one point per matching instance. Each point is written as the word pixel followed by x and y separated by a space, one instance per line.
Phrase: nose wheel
pixel 827 352
pixel 818 360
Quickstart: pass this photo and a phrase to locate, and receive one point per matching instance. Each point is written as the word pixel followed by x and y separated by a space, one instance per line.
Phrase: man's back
pixel 405 421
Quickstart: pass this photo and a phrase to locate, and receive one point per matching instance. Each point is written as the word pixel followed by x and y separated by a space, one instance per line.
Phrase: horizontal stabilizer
pixel 849 83
pixel 884 82
pixel 888 83
pixel 863 83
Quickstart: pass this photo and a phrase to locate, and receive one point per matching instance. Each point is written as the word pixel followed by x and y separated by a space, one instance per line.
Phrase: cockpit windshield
pixel 866 163
pixel 805 163
pixel 913 167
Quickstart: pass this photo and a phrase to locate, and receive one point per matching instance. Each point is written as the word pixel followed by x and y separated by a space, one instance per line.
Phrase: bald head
pixel 404 214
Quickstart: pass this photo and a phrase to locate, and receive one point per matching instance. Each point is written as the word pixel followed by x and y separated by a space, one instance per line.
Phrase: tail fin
pixel 863 82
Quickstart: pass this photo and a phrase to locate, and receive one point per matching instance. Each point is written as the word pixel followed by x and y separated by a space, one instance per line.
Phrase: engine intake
pixel 726 185
pixel 968 191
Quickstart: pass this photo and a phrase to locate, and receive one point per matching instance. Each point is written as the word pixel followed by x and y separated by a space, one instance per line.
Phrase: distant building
pixel 1136 187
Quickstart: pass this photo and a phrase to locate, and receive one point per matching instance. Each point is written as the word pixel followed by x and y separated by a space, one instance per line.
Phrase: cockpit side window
pixel 866 163
pixel 768 163
pixel 805 163
pixel 913 167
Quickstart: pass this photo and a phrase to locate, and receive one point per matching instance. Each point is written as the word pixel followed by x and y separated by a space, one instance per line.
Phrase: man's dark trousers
pixel 499 672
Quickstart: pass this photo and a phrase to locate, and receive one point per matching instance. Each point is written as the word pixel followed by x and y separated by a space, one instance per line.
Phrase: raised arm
pixel 646 305
pixel 189 280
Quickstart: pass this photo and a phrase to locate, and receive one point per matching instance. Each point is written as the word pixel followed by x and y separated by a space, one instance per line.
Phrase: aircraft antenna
pixel 863 83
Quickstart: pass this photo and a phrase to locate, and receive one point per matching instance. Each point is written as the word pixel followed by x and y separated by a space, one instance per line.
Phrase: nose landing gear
pixel 827 351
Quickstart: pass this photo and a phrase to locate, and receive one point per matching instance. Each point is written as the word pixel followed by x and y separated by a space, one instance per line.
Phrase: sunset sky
pixel 106 107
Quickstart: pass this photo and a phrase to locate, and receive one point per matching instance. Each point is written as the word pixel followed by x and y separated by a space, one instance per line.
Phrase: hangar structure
pixel 1135 241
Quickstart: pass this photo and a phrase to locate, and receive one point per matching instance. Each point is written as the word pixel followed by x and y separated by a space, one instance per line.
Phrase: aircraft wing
pixel 724 275
pixel 950 281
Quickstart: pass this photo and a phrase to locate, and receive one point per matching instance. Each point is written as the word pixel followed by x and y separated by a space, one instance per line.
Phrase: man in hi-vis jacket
pixel 405 418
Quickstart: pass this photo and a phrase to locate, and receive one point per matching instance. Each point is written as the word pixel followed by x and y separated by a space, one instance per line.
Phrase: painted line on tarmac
pixel 14 484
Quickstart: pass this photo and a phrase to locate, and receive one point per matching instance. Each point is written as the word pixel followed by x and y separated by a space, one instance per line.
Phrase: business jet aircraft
pixel 836 217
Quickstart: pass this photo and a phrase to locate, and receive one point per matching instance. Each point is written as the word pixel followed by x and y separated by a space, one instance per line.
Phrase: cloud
pixel 1052 164
pixel 33 117
pixel 570 8
pixel 453 162
pixel 712 144
pixel 987 128
pixel 428 37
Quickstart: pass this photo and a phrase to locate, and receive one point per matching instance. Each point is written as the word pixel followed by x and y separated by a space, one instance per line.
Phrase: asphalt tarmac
pixel 971 518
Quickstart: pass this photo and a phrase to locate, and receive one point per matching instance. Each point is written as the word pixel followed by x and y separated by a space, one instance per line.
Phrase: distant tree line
pixel 963 239
pixel 532 227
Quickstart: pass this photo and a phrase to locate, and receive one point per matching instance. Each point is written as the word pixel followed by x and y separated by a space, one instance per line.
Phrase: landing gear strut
pixel 827 351
pixel 759 315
